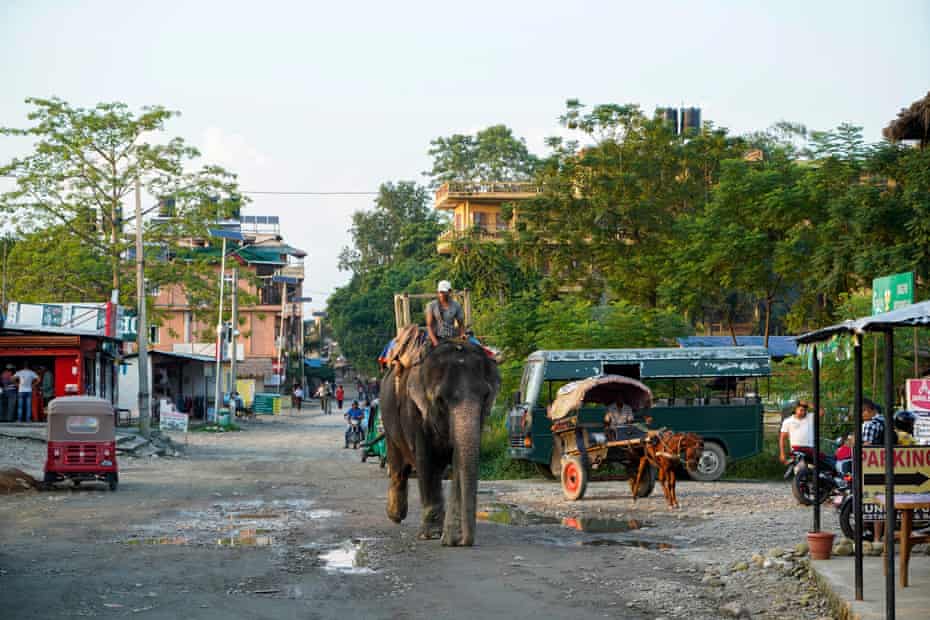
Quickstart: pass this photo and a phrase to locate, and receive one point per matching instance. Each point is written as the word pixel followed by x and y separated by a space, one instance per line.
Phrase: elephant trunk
pixel 466 448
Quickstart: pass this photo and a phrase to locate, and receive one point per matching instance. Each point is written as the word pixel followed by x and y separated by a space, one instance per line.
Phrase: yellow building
pixel 476 209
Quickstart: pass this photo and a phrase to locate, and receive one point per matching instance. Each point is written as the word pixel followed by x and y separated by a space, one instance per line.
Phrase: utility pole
pixel 142 337
pixel 217 396
pixel 3 288
pixel 281 349
pixel 301 345
pixel 234 318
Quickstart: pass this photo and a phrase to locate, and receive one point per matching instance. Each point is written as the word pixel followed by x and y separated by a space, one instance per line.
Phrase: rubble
pixel 14 480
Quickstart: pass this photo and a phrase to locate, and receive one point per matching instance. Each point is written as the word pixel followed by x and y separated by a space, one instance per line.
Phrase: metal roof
pixel 779 346
pixel 191 357
pixel 915 315
pixel 666 353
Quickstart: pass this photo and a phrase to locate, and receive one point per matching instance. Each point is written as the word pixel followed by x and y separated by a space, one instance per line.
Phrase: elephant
pixel 432 415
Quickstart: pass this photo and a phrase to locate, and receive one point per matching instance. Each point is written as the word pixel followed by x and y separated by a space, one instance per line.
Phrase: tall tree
pixel 82 171
pixel 493 154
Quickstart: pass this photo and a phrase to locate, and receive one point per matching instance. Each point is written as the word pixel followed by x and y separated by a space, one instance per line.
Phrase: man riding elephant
pixel 433 402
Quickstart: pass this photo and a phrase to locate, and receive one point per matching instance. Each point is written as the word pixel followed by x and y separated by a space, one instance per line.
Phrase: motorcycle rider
pixel 354 413
pixel 904 427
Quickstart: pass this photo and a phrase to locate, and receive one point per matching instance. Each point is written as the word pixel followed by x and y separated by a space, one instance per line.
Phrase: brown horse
pixel 664 453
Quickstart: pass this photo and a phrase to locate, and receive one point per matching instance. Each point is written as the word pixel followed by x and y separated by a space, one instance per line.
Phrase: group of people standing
pixel 24 393
pixel 330 391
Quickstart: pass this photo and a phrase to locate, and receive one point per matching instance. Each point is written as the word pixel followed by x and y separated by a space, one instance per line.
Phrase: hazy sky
pixel 340 96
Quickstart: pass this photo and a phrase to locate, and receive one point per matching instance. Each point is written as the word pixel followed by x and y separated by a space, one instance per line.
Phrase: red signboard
pixel 918 394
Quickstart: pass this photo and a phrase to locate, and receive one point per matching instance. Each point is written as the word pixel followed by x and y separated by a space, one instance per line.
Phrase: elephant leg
pixel 452 525
pixel 429 480
pixel 397 491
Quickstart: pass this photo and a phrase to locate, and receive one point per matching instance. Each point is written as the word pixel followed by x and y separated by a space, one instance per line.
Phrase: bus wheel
pixel 711 464
pixel 574 478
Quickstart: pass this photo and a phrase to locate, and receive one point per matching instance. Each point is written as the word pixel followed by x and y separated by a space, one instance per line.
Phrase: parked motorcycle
pixel 871 514
pixel 832 482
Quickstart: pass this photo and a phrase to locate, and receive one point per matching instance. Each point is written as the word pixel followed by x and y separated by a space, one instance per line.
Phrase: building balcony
pixel 449 236
pixel 450 195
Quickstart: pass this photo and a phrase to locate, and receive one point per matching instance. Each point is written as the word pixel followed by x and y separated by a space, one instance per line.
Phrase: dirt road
pixel 279 521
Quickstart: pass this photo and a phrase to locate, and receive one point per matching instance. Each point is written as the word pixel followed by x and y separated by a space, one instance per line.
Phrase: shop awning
pixel 915 315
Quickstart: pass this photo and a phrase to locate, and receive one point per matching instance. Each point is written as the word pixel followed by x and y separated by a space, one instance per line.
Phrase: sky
pixel 342 96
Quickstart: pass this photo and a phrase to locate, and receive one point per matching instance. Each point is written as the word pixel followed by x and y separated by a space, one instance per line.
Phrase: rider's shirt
pixel 444 319
pixel 355 413
pixel 800 431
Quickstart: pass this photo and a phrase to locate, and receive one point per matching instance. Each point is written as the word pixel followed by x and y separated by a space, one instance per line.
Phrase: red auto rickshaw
pixel 81 441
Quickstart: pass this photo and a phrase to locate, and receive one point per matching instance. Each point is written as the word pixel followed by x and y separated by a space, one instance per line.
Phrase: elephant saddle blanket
pixel 410 347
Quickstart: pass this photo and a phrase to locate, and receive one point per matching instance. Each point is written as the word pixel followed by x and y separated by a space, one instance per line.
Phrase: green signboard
pixel 892 292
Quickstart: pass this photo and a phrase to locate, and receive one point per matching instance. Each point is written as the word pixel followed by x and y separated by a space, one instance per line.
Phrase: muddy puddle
pixel 246 523
pixel 349 557
pixel 626 542
pixel 506 514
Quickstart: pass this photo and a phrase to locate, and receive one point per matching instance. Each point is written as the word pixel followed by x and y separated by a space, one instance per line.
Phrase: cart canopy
pixel 602 389
pixel 80 418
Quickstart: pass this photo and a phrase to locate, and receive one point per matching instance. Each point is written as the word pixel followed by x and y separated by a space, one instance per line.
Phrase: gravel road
pixel 279 521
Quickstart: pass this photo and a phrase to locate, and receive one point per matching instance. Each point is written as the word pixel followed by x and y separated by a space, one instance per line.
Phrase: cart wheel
pixel 364 455
pixel 75 482
pixel 646 485
pixel 574 478
pixel 112 481
pixel 383 461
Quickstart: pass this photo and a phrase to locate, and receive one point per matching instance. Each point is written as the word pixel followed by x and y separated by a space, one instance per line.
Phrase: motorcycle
pixel 832 482
pixel 355 434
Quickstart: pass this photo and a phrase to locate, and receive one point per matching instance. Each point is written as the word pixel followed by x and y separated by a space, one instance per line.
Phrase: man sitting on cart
pixel 621 423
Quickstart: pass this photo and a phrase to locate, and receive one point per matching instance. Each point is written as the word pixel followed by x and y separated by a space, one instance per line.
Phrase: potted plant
pixel 820 545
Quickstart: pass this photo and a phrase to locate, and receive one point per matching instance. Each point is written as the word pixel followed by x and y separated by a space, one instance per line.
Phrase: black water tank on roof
pixel 690 120
pixel 670 116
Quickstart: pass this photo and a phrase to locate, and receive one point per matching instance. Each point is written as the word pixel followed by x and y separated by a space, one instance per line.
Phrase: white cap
pixel 444 286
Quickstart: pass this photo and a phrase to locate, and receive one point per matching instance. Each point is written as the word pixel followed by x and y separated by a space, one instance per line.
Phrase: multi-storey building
pixel 268 301
pixel 476 209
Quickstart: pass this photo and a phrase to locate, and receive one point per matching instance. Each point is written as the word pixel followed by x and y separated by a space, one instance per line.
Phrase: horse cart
pixel 592 446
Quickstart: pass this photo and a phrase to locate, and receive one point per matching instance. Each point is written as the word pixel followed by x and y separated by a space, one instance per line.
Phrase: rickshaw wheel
pixel 574 478
pixel 383 461
pixel 646 485
pixel 112 481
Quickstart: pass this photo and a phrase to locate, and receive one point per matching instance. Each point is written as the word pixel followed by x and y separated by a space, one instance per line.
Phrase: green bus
pixel 711 391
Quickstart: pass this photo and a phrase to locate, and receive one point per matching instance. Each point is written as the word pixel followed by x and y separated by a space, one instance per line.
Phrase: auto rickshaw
pixel 585 446
pixel 375 445
pixel 81 441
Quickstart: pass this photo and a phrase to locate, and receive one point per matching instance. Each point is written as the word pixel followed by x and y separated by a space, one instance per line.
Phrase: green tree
pixel 493 154
pixel 82 171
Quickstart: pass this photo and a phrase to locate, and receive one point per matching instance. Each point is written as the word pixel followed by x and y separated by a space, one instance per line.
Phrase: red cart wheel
pixel 574 478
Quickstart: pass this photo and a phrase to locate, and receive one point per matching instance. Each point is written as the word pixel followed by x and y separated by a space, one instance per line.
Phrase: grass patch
pixel 763 466
pixel 495 463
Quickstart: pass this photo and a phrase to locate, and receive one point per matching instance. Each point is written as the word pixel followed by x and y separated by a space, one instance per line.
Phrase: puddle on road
pixel 506 514
pixel 163 540
pixel 249 537
pixel 602 525
pixel 350 557
pixel 511 515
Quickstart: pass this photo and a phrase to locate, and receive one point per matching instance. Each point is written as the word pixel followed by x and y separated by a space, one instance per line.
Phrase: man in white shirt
pixel 798 428
pixel 25 378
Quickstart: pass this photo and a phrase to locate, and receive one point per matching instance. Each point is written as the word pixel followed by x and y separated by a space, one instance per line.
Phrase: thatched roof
pixel 913 123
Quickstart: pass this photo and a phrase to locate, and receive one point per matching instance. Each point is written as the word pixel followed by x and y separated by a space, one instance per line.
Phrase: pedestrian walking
pixel 26 379
pixel 325 396
pixel 340 396
pixel 298 396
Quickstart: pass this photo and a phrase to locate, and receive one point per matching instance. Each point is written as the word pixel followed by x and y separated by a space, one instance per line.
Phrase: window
pixel 51 315
pixel 153 334
pixel 83 424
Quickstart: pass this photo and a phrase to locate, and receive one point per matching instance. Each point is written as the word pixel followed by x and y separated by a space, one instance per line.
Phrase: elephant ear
pixel 417 393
